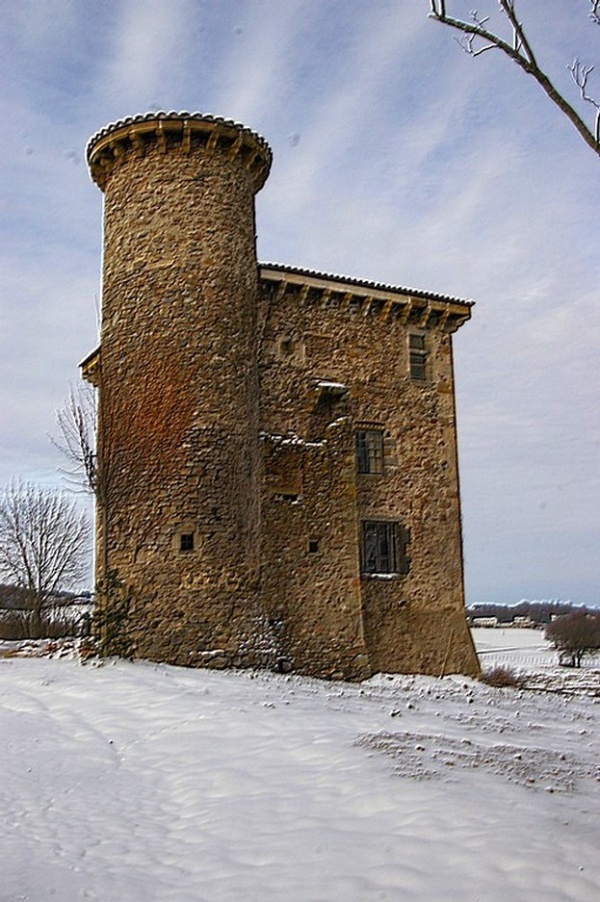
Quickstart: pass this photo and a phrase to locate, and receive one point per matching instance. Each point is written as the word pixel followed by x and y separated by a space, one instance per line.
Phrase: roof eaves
pixel 265 269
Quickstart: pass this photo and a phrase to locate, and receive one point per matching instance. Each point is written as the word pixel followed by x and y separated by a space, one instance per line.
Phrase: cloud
pixel 342 117
pixel 146 52
pixel 264 51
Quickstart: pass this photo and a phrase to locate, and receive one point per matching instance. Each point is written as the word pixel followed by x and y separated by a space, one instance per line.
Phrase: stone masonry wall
pixel 410 623
pixel 179 402
pixel 310 584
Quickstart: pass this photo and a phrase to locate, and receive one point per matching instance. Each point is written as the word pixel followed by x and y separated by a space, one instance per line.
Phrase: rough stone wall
pixel 231 507
pixel 412 622
pixel 310 582
pixel 179 402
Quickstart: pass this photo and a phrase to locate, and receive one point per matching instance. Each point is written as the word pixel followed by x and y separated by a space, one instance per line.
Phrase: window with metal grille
pixel 369 450
pixel 418 356
pixel 384 547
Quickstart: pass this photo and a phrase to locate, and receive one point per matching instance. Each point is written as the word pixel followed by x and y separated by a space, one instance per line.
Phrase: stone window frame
pixel 185 539
pixel 370 449
pixel 418 357
pixel 383 548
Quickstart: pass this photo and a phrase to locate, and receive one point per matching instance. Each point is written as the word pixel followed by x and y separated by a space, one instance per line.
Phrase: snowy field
pixel 139 783
pixel 525 648
pixel 526 652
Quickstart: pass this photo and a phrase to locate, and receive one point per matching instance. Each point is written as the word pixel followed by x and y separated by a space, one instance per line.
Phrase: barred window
pixel 418 356
pixel 369 450
pixel 384 547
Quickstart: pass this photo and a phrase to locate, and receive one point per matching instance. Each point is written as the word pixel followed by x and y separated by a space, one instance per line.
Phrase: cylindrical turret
pixel 180 509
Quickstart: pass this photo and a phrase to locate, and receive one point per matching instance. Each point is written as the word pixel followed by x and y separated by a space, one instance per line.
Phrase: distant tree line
pixel 541 612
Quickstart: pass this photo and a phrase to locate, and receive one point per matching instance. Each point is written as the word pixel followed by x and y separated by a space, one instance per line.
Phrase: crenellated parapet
pixel 135 136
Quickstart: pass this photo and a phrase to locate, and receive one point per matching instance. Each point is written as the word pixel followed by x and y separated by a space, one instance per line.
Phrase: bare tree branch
pixel 77 422
pixel 438 8
pixel 580 75
pixel 521 52
pixel 467 43
pixel 44 544
pixel 521 42
pixel 87 450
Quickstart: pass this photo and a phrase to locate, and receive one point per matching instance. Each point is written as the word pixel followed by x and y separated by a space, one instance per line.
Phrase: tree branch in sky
pixel 477 38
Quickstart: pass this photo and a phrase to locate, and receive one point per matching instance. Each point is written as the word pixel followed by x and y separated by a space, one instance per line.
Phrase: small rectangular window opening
pixel 186 541
pixel 286 346
pixel 383 547
pixel 313 546
pixel 369 450
pixel 418 356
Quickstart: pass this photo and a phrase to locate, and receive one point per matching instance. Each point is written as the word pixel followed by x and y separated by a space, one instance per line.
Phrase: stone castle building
pixel 277 446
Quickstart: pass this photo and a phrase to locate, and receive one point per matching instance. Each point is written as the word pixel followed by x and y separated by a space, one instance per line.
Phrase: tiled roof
pixel 363 283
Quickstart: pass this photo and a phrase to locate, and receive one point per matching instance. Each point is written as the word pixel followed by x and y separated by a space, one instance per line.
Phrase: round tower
pixel 179 503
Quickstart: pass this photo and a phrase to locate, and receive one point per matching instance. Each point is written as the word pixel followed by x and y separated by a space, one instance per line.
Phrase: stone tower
pixel 179 516
pixel 278 475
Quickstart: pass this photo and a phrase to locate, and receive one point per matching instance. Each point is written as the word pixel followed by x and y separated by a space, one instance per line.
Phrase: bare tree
pixel 78 420
pixel 87 450
pixel 78 423
pixel 574 636
pixel 477 38
pixel 44 544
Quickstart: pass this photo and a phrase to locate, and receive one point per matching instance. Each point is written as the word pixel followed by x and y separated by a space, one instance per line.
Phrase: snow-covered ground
pixel 518 648
pixel 137 782
pixel 526 652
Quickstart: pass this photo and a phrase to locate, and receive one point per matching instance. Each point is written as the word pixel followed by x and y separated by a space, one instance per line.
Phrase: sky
pixel 397 158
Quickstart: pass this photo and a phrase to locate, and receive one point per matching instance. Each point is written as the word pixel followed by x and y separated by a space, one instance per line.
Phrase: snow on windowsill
pixel 380 575
pixel 332 386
